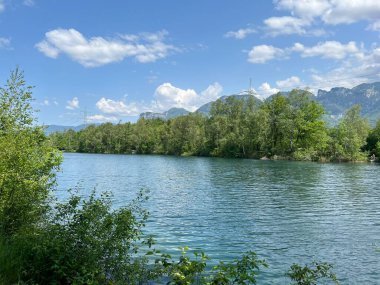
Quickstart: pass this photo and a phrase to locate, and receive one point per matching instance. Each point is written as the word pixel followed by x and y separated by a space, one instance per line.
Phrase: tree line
pixel 282 127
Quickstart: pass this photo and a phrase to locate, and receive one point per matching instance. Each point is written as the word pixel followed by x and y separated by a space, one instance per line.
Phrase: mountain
pixel 169 114
pixel 339 99
pixel 206 108
pixel 56 128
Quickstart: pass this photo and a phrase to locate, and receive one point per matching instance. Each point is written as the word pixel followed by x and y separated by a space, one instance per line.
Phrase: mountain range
pixel 336 102
pixel 339 99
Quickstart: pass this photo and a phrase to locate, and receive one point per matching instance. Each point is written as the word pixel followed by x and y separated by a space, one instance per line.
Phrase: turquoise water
pixel 285 211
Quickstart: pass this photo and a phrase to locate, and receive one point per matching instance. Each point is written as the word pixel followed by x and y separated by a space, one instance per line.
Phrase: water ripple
pixel 286 211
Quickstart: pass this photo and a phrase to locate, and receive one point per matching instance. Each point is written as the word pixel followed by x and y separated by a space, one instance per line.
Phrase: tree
pixel 350 136
pixel 27 162
pixel 373 140
pixel 76 242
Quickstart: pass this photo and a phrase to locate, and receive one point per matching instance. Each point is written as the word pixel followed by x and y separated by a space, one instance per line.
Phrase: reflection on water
pixel 285 211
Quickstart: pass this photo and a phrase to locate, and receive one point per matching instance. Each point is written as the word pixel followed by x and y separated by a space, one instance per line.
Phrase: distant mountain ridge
pixel 169 114
pixel 336 102
pixel 339 99
pixel 56 128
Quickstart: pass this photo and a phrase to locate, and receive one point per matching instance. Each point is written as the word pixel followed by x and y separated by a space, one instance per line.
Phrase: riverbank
pixel 262 158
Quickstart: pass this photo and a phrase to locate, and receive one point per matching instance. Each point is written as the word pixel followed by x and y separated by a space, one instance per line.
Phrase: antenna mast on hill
pixel 250 91
pixel 85 117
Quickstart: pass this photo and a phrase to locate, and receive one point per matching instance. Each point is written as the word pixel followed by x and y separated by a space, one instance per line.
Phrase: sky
pixel 108 61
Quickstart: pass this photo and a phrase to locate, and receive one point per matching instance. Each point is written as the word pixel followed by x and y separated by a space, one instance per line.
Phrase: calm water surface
pixel 285 211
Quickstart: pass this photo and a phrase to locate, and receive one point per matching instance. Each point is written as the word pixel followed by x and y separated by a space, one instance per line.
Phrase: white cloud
pixel 285 25
pixel 99 118
pixel 289 83
pixel 5 43
pixel 240 34
pixel 168 96
pixel 97 51
pixel 2 6
pixel 265 90
pixel 307 9
pixel 375 26
pixel 332 11
pixel 119 108
pixel 347 12
pixel 328 49
pixel 211 93
pixel 264 53
pixel 46 102
pixel 48 49
pixel 351 72
pixel 73 104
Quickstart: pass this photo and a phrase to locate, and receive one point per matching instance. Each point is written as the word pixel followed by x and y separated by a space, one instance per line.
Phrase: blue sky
pixel 112 60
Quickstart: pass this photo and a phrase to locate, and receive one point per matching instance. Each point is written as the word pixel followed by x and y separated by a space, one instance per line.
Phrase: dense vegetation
pixel 284 127
pixel 85 241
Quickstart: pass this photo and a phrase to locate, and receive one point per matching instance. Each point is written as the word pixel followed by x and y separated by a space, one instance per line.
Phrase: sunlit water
pixel 285 211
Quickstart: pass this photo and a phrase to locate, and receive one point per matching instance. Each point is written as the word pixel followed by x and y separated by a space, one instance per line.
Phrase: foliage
pixel 310 275
pixel 85 242
pixel 349 136
pixel 240 271
pixel 187 271
pixel 373 140
pixel 290 127
pixel 27 161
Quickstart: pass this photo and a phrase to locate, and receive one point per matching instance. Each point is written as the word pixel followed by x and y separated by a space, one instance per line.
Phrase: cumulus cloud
pixel 347 12
pixel 119 108
pixel 240 34
pixel 332 11
pixel 167 96
pixel 212 92
pixel 99 118
pixel 264 53
pixel 289 83
pixel 285 25
pixel 328 49
pixel 375 26
pixel 97 51
pixel 265 90
pixel 73 104
pixel 307 9
pixel 351 72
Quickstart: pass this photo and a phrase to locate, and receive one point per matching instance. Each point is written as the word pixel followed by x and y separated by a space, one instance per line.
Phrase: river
pixel 285 211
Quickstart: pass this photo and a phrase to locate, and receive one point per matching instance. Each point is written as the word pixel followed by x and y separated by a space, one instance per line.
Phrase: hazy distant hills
pixel 169 114
pixel 56 128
